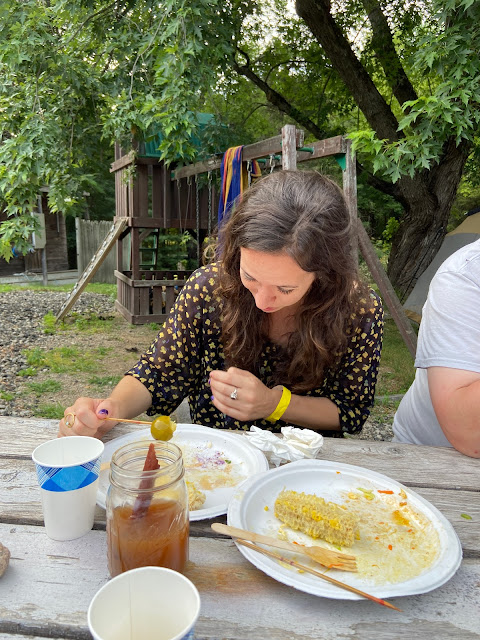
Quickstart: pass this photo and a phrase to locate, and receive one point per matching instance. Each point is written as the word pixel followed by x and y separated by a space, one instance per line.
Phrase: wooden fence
pixel 90 235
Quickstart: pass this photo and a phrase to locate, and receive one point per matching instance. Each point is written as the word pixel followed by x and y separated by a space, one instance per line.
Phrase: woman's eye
pixel 286 291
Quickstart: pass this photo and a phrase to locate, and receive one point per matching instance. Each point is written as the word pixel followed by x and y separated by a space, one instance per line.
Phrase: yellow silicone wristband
pixel 281 406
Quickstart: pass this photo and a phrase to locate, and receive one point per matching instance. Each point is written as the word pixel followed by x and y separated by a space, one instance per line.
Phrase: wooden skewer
pixel 319 574
pixel 125 420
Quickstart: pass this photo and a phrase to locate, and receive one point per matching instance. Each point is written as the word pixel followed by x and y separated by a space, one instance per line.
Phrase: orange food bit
pixel 384 491
pixel 390 547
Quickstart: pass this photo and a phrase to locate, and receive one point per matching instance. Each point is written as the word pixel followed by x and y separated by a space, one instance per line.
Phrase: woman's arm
pixel 455 396
pixel 129 399
pixel 254 400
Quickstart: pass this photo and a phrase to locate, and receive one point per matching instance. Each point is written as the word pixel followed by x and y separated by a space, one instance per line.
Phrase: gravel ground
pixel 21 327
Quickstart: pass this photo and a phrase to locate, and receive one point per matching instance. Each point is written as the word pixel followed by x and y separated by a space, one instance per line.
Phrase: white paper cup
pixel 143 604
pixel 67 471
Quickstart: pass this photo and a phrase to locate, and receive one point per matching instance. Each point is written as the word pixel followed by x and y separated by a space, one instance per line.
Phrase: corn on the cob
pixel 316 517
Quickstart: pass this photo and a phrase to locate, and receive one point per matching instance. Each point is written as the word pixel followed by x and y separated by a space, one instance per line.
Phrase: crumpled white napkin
pixel 295 444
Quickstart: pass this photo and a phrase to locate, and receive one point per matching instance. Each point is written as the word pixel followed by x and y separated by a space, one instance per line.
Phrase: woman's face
pixel 275 280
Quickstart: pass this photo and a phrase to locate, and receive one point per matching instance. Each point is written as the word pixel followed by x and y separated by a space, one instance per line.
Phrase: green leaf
pixel 466 516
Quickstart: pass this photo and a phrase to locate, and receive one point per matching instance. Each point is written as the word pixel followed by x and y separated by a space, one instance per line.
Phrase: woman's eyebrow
pixel 280 286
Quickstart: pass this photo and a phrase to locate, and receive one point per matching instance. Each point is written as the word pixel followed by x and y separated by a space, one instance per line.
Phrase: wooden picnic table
pixel 49 585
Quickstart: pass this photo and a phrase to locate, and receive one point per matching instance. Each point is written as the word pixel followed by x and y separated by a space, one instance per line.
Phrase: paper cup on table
pixel 149 602
pixel 67 470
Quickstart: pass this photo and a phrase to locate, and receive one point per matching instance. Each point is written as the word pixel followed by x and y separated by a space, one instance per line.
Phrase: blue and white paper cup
pixel 149 602
pixel 67 471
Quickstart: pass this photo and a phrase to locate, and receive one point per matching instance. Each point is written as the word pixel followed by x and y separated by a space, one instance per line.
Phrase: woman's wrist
pixel 282 404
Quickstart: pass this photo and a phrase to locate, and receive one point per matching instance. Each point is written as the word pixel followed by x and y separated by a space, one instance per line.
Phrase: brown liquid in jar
pixel 158 538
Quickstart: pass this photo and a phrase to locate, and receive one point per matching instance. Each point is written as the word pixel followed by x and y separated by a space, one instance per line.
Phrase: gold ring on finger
pixel 69 420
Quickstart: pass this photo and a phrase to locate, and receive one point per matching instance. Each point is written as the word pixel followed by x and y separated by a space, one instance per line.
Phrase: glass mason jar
pixel 147 511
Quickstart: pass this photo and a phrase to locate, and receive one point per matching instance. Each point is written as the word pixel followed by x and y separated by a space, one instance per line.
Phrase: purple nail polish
pixel 212 398
pixel 103 412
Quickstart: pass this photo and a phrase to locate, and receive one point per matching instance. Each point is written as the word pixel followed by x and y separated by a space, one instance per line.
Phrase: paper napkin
pixel 294 444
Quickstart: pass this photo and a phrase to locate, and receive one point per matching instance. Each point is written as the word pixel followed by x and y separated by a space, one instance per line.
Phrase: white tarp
pixel 468 231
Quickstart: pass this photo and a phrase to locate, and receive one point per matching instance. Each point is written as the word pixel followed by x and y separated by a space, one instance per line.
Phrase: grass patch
pixel 52 411
pixel 4 395
pixel 65 359
pixel 49 323
pixel 87 323
pixel 48 386
pixel 28 372
pixel 397 370
pixel 104 381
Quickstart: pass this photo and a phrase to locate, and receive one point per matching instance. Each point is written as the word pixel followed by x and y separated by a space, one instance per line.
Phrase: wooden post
pixel 387 291
pixel 370 255
pixel 289 147
pixel 349 175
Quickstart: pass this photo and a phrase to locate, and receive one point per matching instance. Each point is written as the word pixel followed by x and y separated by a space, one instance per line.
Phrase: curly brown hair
pixel 302 214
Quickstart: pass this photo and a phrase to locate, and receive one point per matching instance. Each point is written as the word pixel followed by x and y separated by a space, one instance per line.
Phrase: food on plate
pixel 163 428
pixel 397 540
pixel 316 517
pixel 196 498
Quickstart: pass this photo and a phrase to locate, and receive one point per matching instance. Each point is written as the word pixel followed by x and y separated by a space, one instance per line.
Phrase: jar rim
pixel 137 450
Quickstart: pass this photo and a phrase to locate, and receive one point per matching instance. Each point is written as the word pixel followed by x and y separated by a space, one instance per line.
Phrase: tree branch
pixel 90 17
pixel 316 15
pixel 275 98
pixel 388 188
pixel 386 53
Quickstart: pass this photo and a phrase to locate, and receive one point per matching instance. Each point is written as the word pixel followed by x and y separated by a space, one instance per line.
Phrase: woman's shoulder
pixel 203 283
pixel 205 276
pixel 369 307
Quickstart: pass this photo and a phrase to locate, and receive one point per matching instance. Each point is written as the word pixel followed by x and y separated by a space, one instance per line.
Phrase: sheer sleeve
pixel 172 368
pixel 351 386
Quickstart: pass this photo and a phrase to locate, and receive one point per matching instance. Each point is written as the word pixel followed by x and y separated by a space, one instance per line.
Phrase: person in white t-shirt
pixel 442 406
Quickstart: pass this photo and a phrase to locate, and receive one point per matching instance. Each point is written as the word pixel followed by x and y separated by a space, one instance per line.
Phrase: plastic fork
pixel 325 557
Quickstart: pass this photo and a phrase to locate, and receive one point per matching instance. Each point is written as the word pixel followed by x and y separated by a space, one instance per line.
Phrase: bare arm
pixel 455 395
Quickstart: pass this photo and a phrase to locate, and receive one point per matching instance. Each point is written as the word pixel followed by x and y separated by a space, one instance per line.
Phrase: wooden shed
pixel 56 247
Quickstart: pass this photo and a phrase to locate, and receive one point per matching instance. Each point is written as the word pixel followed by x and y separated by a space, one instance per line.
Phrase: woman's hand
pixel 86 417
pixel 241 395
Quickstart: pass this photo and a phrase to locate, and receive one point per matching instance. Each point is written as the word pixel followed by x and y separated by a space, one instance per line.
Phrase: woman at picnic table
pixel 280 330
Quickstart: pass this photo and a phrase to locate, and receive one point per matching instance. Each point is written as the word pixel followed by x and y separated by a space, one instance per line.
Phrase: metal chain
pixel 209 204
pixel 272 162
pixel 249 172
pixel 197 210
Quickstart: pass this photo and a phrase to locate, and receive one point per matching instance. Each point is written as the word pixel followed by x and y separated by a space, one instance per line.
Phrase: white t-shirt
pixel 449 336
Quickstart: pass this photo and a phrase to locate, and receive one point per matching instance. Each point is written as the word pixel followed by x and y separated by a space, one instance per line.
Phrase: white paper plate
pixel 252 508
pixel 246 458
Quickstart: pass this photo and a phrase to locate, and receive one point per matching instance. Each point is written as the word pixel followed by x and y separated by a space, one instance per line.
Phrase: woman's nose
pixel 264 297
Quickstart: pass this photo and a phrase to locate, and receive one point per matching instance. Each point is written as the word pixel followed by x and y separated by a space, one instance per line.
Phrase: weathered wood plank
pixel 18 480
pixel 49 585
pixel 289 147
pixel 249 152
pixel 409 464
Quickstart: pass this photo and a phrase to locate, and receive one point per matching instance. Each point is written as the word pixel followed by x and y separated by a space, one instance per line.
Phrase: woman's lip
pixel 267 309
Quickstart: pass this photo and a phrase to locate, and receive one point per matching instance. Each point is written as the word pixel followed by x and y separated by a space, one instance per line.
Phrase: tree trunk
pixel 427 200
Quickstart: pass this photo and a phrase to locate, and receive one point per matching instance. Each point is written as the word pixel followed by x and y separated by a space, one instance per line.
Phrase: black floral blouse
pixel 189 348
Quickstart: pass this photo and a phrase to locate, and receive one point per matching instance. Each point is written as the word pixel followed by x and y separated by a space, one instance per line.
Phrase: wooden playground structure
pixel 150 196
